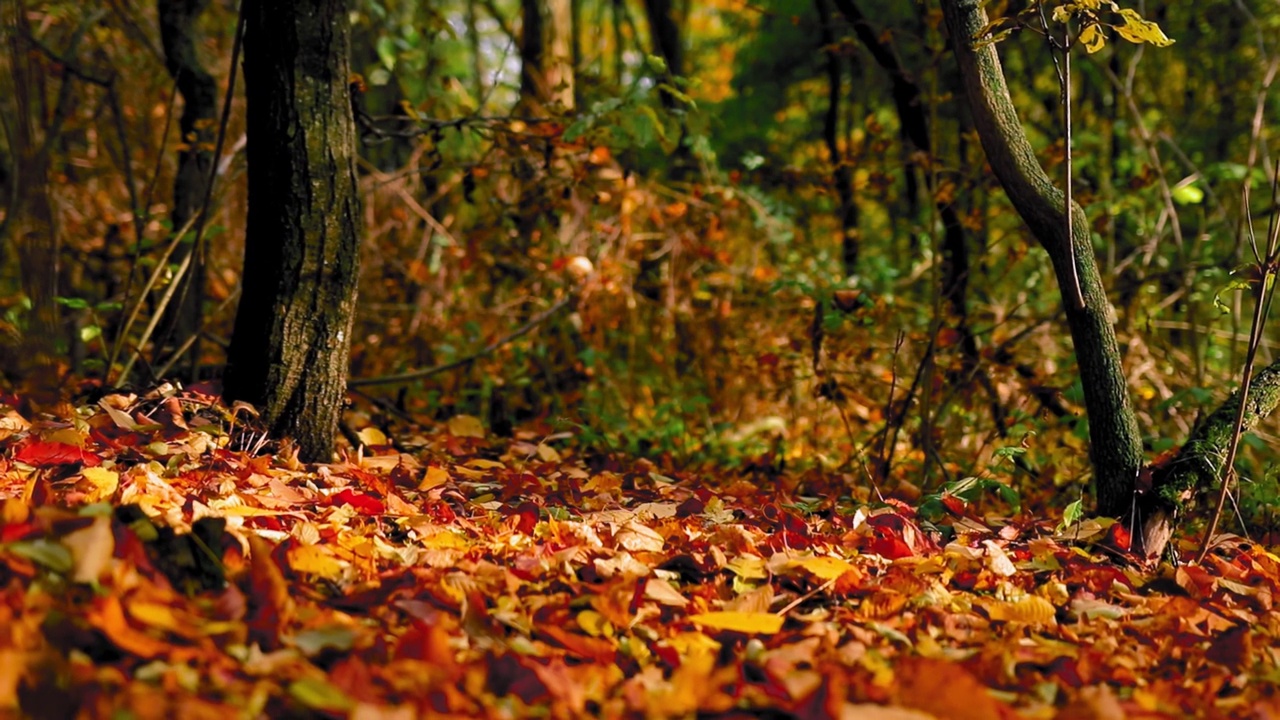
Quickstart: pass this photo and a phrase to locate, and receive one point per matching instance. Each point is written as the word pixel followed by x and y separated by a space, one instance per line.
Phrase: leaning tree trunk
pixel 1115 444
pixel 288 355
pixel 1198 465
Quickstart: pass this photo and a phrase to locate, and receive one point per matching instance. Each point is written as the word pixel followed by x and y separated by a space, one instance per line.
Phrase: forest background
pixel 756 241
pixel 756 238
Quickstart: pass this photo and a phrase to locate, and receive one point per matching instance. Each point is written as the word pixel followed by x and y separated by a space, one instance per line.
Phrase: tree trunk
pixel 195 155
pixel 288 355
pixel 665 32
pixel 546 55
pixel 842 172
pixel 30 219
pixel 1115 444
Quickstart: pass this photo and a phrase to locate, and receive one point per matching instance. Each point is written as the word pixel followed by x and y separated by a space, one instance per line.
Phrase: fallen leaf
pixel 760 623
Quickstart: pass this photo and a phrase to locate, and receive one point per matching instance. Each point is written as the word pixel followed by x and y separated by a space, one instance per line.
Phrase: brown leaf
pixel 273 606
pixel 945 689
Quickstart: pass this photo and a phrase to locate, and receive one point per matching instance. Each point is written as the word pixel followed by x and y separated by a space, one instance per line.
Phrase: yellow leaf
pixel 825 568
pixel 444 540
pixel 156 615
pixel 1032 610
pixel 314 560
pixel 1092 39
pixel 372 436
pixel 466 426
pixel 743 622
pixel 748 567
pixel 594 624
pixel 693 644
pixel 483 464
pixel 1137 30
pixel 102 483
pixel 435 476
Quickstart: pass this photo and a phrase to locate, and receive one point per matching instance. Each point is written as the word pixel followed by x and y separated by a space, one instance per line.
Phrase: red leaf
pixel 1119 537
pixel 889 546
pixel 40 453
pixel 366 504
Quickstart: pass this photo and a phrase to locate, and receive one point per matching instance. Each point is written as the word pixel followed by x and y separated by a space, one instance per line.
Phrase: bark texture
pixel 30 222
pixel 1115 444
pixel 289 352
pixel 195 152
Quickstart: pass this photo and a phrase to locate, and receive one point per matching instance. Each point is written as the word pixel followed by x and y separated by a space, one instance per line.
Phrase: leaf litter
pixel 155 562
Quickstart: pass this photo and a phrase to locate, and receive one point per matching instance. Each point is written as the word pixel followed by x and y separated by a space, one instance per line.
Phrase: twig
pixel 534 322
pixel 1072 293
pixel 794 603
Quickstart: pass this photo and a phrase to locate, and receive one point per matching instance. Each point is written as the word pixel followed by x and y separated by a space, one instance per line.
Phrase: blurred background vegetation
pixel 751 243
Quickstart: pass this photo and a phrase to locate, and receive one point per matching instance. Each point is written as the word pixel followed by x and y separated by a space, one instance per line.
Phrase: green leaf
pixel 73 303
pixel 1236 284
pixel 1073 514
pixel 386 48
pixel 320 695
pixel 578 128
pixel 52 555
pixel 1187 194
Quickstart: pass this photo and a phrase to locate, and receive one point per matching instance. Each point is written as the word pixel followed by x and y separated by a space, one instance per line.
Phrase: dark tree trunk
pixel 546 55
pixel 915 130
pixel 195 154
pixel 842 173
pixel 1115 444
pixel 30 221
pixel 665 33
pixel 288 355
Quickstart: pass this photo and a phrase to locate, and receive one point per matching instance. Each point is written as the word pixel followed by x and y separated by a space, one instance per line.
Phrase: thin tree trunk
pixel 546 55
pixel 288 355
pixel 842 173
pixel 1115 443
pixel 195 155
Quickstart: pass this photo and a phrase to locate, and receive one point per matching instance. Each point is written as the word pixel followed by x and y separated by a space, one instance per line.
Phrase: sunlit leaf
pixel 1137 30
pixel 1187 194
pixel 466 426
pixel 743 622
pixel 1031 609
pixel 1092 38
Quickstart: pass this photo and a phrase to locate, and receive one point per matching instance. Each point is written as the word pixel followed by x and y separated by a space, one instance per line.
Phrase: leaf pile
pixel 147 567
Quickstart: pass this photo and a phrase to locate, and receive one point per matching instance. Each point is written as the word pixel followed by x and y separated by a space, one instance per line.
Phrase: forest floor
pixel 159 560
